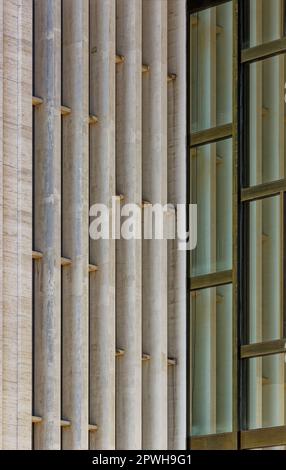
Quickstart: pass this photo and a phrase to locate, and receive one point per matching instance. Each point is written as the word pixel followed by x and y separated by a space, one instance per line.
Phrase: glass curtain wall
pixel 211 189
pixel 264 218
pixel 237 178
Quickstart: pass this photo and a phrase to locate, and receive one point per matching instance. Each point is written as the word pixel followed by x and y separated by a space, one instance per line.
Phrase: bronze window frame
pixel 268 436
pixel 243 194
pixel 195 139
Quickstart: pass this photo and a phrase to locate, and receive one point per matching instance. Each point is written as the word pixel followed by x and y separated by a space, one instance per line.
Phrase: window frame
pixel 243 194
pixel 207 136
pixel 271 436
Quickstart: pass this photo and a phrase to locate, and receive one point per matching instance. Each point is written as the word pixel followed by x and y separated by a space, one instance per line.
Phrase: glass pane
pixel 211 67
pixel 265 21
pixel 265 321
pixel 211 190
pixel 266 120
pixel 266 391
pixel 211 336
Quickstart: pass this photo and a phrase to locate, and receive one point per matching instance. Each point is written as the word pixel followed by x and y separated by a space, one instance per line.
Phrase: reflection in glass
pixel 211 67
pixel 265 270
pixel 211 336
pixel 266 120
pixel 270 448
pixel 266 21
pixel 211 186
pixel 266 391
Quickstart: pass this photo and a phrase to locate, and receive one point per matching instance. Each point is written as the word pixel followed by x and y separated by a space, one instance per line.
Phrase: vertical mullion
pixel 283 279
pixel 283 256
pixel 255 250
pixel 282 288
pixel 283 33
pixel 235 215
pixel 282 262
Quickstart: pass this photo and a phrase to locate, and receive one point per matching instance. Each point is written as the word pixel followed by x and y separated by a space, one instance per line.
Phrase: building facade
pixel 93 106
pixel 134 344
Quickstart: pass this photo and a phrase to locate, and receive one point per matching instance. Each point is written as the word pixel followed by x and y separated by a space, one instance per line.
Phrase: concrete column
pixel 155 406
pixel 102 252
pixel 48 223
pixel 129 183
pixel 75 245
pixel 177 106
pixel 1 214
pixel 16 222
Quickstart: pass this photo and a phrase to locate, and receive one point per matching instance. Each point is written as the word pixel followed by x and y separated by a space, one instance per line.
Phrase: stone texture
pixel 155 251
pixel 128 252
pixel 75 243
pixel 102 252
pixel 16 223
pixel 137 149
pixel 47 234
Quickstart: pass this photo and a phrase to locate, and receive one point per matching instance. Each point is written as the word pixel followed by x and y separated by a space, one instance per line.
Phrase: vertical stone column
pixel 129 183
pixel 75 84
pixel 102 252
pixel 177 107
pixel 1 215
pixel 16 222
pixel 47 235
pixel 154 160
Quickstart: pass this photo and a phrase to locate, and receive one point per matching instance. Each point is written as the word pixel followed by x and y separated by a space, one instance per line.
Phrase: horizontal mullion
pixel 211 135
pixel 225 441
pixel 263 349
pixel 211 280
pixel 263 190
pixel 263 51
pixel 266 437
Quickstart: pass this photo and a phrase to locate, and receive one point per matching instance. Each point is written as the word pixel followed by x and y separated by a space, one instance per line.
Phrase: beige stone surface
pixel 75 243
pixel 102 252
pixel 129 252
pixel 177 171
pixel 154 174
pixel 16 223
pixel 135 146
pixel 47 234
